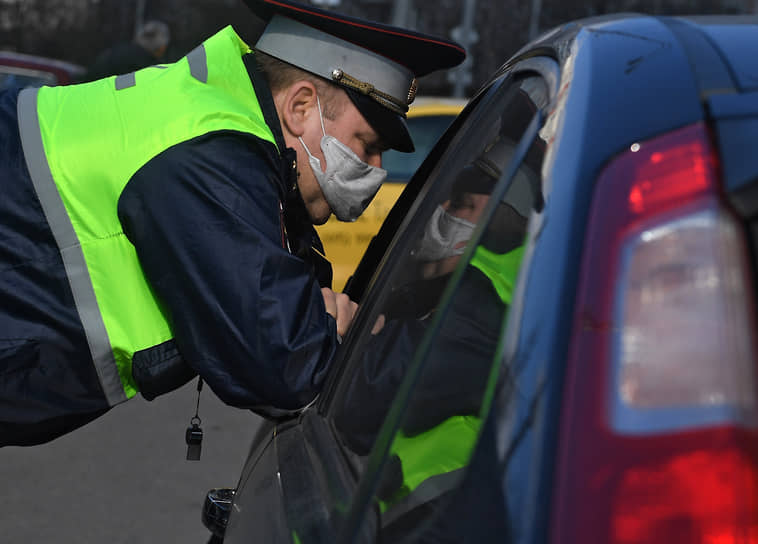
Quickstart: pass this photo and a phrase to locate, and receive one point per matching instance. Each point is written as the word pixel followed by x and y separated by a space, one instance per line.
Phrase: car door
pixel 416 401
pixel 420 363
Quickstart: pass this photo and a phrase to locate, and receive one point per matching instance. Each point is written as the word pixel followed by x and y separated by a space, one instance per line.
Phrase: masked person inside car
pixel 441 423
pixel 478 309
pixel 158 224
pixel 440 426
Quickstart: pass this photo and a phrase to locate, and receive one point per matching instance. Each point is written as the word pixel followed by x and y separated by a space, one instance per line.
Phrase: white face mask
pixel 442 234
pixel 348 184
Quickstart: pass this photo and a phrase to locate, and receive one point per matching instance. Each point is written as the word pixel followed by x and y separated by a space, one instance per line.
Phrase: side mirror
pixel 216 509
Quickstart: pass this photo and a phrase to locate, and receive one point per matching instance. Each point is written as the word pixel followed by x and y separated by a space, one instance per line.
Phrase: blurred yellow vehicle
pixel 344 243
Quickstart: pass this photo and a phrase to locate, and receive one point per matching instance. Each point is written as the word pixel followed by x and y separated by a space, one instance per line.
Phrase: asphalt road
pixel 124 478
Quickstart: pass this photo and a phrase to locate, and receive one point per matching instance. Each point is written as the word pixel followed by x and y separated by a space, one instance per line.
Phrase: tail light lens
pixel 659 438
pixel 680 305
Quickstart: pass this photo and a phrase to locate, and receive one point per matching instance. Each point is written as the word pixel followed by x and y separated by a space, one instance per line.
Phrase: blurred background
pixel 78 30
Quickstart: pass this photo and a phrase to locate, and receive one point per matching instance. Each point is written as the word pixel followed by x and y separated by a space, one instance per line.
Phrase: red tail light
pixel 659 434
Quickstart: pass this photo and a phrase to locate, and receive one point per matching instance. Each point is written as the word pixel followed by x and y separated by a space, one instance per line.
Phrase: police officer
pixel 159 224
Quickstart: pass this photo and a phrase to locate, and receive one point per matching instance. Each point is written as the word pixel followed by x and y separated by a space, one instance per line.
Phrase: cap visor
pixel 390 126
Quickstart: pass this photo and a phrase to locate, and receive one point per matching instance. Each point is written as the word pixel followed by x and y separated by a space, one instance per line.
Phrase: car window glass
pixel 425 132
pixel 453 345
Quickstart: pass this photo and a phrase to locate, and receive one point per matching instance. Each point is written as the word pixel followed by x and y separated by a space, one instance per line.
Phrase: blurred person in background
pixel 148 48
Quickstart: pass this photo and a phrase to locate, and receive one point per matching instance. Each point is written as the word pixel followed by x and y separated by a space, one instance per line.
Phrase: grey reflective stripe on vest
pixel 198 63
pixel 428 490
pixel 70 249
pixel 124 81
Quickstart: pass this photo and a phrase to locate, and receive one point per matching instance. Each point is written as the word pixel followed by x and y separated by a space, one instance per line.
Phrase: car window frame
pixel 544 67
pixel 379 252
pixel 369 480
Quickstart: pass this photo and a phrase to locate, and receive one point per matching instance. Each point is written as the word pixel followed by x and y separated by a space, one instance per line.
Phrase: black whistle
pixel 194 439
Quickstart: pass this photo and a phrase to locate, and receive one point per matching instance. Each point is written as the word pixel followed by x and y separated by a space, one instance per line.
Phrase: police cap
pixel 376 64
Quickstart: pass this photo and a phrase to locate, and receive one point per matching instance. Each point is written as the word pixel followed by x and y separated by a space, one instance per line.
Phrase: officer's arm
pixel 246 314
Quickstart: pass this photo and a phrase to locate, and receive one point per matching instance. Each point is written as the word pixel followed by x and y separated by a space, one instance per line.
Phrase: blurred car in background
pixel 599 382
pixel 20 69
pixel 345 243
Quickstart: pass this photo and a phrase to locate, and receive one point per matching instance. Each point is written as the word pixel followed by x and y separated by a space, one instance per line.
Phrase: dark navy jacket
pixel 226 243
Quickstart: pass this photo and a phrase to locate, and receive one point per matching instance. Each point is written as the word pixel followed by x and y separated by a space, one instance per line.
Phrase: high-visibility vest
pixel 501 269
pixel 83 143
pixel 433 461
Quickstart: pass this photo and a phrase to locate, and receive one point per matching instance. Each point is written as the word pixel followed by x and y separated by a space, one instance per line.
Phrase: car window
pixel 421 369
pixel 425 131
pixel 345 244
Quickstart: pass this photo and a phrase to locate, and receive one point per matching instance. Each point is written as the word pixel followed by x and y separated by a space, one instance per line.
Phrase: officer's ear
pixel 296 106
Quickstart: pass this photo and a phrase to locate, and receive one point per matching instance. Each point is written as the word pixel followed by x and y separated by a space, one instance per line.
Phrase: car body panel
pixel 736 130
pixel 260 478
pixel 735 39
pixel 297 501
pixel 662 96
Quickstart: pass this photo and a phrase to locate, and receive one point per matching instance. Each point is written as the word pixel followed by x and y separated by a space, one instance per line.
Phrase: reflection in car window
pixel 425 131
pixel 437 320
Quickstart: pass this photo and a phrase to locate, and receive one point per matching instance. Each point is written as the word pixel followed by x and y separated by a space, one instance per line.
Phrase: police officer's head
pixel 337 76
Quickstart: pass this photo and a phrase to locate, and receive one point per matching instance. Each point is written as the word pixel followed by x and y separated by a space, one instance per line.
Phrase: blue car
pixel 556 340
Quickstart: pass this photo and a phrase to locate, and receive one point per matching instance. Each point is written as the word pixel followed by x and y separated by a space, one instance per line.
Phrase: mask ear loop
pixel 323 130
pixel 320 116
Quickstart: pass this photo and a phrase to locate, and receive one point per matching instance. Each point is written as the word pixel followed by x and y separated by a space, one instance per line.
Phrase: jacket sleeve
pixel 247 315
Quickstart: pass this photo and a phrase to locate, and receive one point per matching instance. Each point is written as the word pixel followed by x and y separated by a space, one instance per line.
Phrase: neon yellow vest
pixel 500 268
pixel 443 449
pixel 82 148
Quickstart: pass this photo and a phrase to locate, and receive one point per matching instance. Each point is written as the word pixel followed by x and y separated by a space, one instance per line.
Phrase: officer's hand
pixel 341 308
